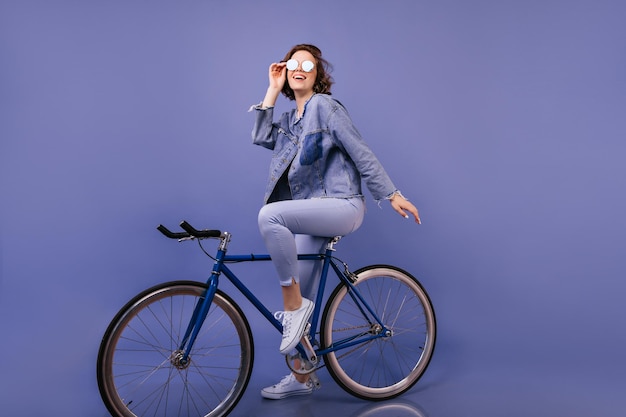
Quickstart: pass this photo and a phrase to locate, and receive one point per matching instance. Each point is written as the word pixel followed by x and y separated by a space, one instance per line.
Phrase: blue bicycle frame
pixel 219 267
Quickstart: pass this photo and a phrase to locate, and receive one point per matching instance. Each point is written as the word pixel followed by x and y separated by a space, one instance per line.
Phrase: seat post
pixel 331 243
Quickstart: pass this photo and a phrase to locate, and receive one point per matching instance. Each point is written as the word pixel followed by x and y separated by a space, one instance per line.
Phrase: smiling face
pixel 318 79
pixel 302 82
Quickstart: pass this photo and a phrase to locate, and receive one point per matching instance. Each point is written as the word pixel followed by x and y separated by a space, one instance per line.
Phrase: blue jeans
pixel 304 226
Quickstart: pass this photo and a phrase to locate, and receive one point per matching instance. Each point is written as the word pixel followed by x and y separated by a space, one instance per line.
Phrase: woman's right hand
pixel 277 81
pixel 277 75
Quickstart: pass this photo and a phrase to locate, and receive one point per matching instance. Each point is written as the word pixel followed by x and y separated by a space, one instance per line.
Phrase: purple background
pixel 503 121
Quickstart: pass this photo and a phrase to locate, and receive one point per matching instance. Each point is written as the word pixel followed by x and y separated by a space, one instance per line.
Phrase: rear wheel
pixel 387 366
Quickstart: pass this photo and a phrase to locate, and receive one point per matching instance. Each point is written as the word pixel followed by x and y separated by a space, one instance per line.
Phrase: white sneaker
pixel 287 387
pixel 294 323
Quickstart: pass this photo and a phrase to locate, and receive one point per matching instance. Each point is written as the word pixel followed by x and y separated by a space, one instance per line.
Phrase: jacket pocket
pixel 312 148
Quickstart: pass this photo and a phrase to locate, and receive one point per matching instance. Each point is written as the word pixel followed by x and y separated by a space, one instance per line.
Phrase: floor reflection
pixel 395 408
pixel 326 406
pixel 328 401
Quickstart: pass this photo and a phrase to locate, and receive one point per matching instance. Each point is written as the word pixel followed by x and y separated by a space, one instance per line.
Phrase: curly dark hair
pixel 323 82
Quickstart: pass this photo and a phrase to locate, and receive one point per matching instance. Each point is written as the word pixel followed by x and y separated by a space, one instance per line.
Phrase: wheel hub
pixel 377 329
pixel 176 359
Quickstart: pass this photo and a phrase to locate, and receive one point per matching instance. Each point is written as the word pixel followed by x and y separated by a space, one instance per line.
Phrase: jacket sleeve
pixel 264 132
pixel 349 139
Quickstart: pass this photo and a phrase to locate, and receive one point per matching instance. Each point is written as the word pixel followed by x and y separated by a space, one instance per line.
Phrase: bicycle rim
pixel 384 367
pixel 139 373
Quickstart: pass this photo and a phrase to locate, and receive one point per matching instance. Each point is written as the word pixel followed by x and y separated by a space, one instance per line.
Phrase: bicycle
pixel 186 348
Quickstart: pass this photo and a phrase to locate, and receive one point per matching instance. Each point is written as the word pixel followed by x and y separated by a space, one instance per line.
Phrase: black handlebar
pixel 190 232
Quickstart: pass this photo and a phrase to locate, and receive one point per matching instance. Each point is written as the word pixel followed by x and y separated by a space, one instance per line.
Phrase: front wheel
pixel 382 367
pixel 140 371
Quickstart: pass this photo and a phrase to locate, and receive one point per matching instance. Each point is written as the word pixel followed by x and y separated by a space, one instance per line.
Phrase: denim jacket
pixel 319 155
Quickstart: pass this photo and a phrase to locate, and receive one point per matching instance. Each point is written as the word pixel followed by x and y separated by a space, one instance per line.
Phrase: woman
pixel 314 187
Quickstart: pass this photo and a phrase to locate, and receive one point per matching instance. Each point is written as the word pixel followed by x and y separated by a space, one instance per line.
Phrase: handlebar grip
pixel 172 235
pixel 199 233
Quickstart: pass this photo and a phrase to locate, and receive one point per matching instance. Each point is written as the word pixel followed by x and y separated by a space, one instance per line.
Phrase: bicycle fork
pixel 180 358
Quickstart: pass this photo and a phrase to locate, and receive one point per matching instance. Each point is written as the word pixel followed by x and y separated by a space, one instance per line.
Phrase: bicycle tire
pixel 137 370
pixel 384 367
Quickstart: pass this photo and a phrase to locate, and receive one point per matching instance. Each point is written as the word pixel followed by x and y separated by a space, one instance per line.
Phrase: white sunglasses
pixel 307 66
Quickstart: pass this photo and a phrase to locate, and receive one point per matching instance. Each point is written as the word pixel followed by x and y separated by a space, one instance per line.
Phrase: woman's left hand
pixel 402 205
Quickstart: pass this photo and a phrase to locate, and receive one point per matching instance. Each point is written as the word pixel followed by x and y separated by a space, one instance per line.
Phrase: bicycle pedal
pixel 315 381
